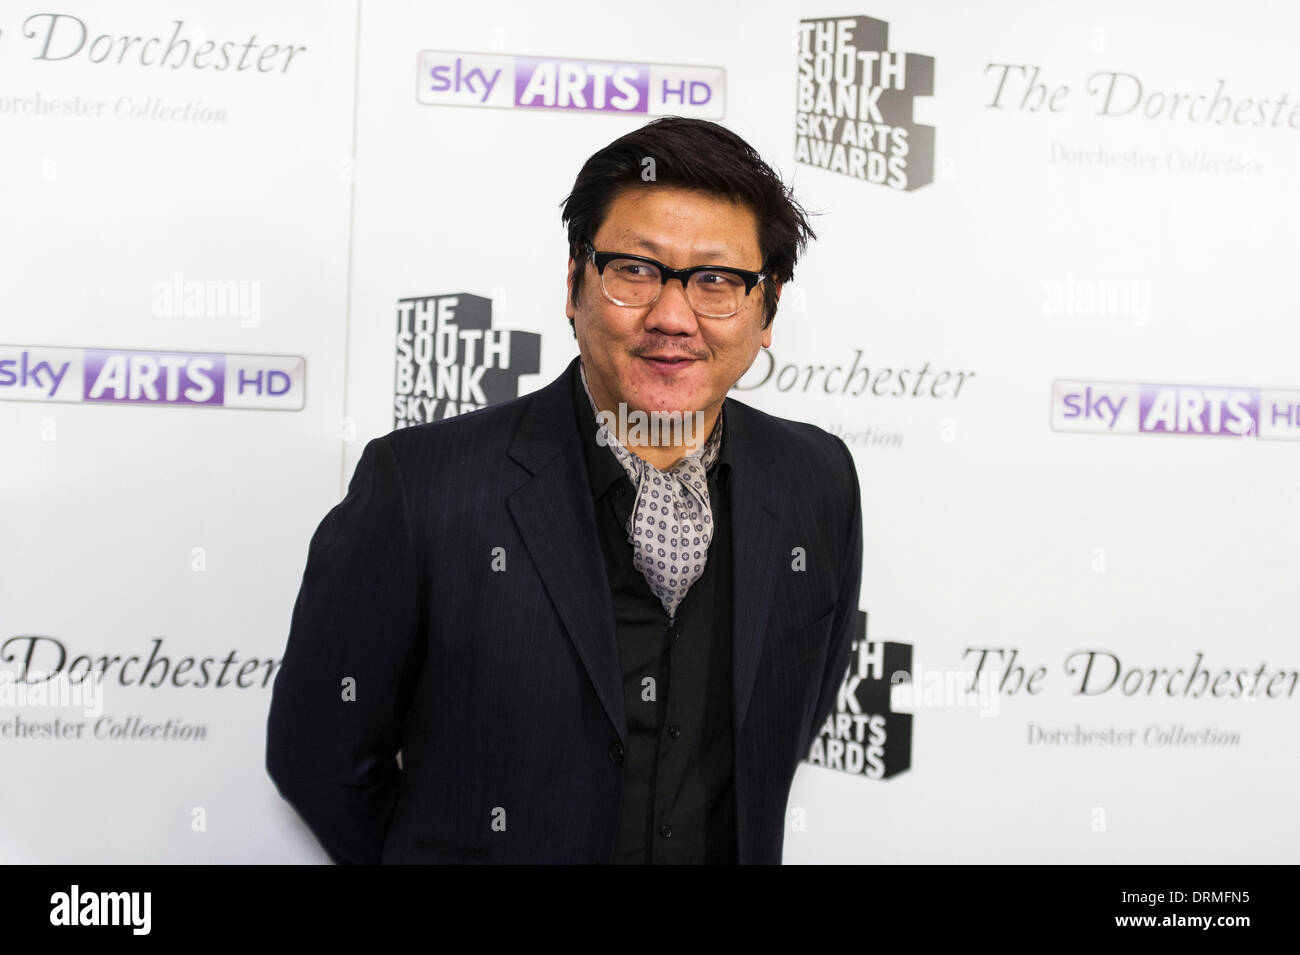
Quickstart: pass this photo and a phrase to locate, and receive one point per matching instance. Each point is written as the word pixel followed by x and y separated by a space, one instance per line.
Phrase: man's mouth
pixel 667 362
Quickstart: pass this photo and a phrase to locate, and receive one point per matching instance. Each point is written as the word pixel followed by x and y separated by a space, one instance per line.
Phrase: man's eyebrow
pixel 658 251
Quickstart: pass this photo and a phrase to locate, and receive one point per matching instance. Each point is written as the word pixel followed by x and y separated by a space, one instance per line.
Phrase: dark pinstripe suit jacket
pixel 454 607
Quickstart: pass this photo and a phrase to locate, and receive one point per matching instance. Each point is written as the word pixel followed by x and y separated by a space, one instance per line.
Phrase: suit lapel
pixel 554 515
pixel 755 521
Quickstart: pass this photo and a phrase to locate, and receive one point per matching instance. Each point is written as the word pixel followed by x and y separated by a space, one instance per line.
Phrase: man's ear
pixel 568 290
pixel 767 332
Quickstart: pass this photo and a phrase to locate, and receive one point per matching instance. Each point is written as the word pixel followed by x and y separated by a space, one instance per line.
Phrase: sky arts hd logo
pixel 550 83
pixel 1108 407
pixel 119 376
pixel 855 99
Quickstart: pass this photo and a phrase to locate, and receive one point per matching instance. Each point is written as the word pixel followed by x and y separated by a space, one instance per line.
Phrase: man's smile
pixel 668 364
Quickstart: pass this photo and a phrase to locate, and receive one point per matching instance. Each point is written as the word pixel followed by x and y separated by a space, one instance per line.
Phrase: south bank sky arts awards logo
pixel 862 735
pixel 450 360
pixel 854 103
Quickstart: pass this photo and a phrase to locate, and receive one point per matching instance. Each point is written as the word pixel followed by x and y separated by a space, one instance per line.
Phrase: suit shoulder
pixel 797 437
pixel 810 458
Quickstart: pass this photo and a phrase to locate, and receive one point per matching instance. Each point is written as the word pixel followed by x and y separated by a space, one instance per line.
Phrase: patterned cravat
pixel 672 520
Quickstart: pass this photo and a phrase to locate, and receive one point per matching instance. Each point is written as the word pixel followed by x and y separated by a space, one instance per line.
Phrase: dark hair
pixel 692 154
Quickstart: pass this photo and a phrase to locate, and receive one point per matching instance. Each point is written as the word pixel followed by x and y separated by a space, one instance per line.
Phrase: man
pixel 586 642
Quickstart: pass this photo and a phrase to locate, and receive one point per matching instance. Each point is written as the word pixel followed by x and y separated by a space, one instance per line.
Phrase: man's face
pixel 623 347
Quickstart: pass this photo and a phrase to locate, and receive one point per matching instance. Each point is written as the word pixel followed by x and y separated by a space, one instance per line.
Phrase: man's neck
pixel 662 439
pixel 695 426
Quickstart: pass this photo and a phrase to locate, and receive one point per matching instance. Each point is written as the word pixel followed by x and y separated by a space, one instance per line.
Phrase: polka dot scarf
pixel 672 520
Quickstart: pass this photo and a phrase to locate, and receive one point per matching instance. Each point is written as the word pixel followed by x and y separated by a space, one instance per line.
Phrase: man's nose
pixel 671 313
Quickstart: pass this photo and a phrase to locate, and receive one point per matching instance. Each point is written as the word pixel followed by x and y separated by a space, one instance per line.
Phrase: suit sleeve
pixel 349 668
pixel 846 607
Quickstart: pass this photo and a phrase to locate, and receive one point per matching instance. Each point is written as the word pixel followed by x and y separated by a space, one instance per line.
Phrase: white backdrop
pixel 1067 246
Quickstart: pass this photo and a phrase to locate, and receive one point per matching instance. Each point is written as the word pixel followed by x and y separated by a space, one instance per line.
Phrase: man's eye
pixel 717 279
pixel 634 270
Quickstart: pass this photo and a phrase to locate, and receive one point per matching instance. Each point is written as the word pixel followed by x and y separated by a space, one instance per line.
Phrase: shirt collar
pixel 603 469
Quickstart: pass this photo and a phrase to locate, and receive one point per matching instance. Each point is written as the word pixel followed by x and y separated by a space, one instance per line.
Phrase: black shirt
pixel 678 802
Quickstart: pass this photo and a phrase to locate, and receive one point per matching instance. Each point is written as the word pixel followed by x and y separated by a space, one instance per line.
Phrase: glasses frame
pixel 602 259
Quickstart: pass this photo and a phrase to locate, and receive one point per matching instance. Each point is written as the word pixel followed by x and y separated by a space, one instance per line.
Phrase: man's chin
pixel 657 403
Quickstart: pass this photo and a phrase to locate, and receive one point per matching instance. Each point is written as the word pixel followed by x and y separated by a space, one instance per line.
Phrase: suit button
pixel 616 753
pixel 666 831
pixel 674 731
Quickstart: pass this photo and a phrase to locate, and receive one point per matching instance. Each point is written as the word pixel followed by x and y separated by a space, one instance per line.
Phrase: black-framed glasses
pixel 634 281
